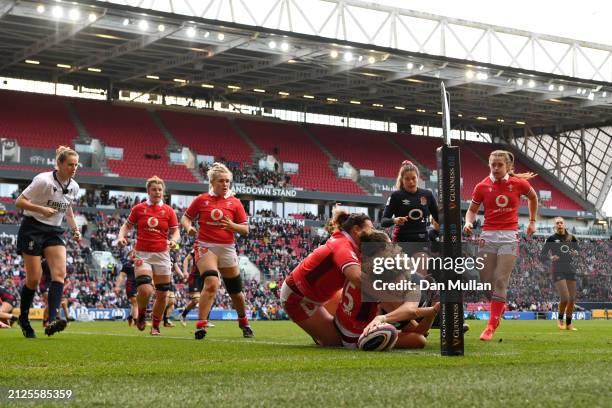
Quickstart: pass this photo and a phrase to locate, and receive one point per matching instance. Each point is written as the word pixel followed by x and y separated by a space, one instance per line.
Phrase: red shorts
pixel 297 307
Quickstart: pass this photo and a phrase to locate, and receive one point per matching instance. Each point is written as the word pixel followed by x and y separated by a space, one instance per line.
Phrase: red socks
pixel 497 309
pixel 156 321
pixel 243 321
pixel 201 324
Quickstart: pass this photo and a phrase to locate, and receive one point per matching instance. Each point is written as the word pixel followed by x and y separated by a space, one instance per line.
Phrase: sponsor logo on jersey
pixel 60 207
pixel 415 214
pixel 152 222
pixel 406 202
pixel 565 249
pixel 502 200
pixel 216 214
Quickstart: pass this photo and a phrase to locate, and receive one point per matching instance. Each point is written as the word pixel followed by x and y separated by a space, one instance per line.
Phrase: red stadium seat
pixel 134 130
pixel 292 145
pixel 362 148
pixel 35 120
pixel 207 135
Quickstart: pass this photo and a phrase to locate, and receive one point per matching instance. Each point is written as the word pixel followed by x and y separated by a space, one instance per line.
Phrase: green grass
pixel 528 364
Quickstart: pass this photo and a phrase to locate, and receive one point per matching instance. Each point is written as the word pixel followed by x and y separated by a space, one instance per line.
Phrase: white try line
pixel 424 353
pixel 145 336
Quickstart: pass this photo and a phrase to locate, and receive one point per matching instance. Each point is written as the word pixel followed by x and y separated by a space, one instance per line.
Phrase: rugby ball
pixel 381 338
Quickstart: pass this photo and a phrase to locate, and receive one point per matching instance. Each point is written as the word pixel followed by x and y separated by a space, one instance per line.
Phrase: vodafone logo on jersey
pixel 216 214
pixel 152 222
pixel 502 200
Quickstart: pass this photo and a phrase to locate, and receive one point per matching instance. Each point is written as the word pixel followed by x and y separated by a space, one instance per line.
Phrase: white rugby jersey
pixel 46 191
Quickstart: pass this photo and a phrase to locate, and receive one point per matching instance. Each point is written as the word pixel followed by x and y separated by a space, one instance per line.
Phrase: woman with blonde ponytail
pixel 500 193
pixel 220 217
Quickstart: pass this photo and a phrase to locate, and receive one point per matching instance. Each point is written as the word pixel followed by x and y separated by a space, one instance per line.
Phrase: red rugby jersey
pixel 353 314
pixel 321 274
pixel 501 200
pixel 210 210
pixel 152 223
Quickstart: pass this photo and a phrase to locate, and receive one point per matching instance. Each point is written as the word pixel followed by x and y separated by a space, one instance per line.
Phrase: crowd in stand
pixel 275 248
pixel 252 176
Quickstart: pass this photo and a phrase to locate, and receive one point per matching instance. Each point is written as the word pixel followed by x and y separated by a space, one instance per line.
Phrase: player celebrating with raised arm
pixel 500 193
pixel 560 248
pixel 322 274
pixel 153 220
pixel 44 203
pixel 220 216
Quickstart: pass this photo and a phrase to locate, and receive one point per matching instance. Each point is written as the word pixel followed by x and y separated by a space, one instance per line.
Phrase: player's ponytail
pixel 509 159
pixel 339 216
pixel 406 166
pixel 62 153
pixel 352 220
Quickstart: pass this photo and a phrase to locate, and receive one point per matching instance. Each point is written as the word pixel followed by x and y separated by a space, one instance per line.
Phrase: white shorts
pixel 499 242
pixel 157 262
pixel 226 253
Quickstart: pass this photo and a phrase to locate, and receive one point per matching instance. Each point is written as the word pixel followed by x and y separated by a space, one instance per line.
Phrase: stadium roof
pixel 277 55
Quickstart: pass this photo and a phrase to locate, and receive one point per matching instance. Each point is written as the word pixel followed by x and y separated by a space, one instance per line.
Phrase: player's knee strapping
pixel 163 287
pixel 210 273
pixel 233 285
pixel 143 280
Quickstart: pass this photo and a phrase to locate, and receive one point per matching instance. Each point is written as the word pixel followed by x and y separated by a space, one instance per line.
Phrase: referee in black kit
pixel 44 203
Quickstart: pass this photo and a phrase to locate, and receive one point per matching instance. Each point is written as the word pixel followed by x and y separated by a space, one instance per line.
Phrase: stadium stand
pixel 288 143
pixel 35 120
pixel 363 149
pixel 207 135
pixel 559 199
pixel 133 130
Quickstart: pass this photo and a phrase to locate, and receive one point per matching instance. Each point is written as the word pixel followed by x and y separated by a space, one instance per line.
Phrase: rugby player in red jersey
pixel 220 216
pixel 500 193
pixel 355 316
pixel 321 274
pixel 153 221
pixel 7 304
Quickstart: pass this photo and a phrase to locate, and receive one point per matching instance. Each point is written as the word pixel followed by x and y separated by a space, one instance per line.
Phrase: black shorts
pixel 130 287
pixel 563 271
pixel 566 274
pixel 34 237
pixel 414 243
pixel 195 282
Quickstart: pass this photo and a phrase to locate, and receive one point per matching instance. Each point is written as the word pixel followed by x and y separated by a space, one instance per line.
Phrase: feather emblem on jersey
pixel 423 200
